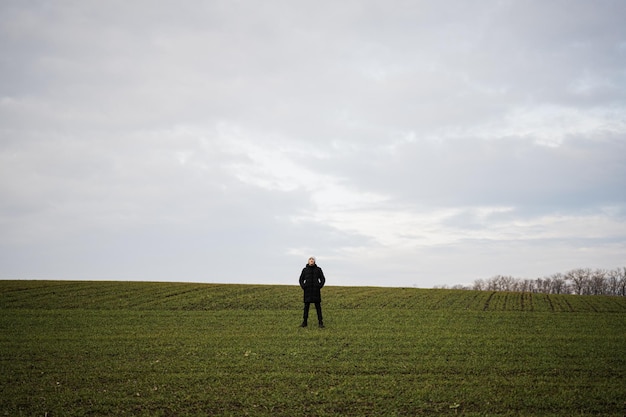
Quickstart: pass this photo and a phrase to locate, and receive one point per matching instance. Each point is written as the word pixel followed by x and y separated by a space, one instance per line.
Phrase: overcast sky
pixel 403 143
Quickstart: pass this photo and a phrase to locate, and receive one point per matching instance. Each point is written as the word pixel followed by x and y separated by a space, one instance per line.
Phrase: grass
pixel 167 349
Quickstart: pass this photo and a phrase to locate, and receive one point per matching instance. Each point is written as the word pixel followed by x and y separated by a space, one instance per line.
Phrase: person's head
pixel 312 260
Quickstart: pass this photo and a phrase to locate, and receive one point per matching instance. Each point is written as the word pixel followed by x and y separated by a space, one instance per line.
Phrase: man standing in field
pixel 312 280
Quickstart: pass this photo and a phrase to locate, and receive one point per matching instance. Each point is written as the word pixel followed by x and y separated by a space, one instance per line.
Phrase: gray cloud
pixel 404 143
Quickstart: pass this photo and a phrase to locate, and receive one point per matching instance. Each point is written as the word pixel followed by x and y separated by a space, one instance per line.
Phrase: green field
pixel 172 349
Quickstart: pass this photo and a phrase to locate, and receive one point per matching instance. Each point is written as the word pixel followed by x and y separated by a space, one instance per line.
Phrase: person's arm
pixel 322 278
pixel 302 279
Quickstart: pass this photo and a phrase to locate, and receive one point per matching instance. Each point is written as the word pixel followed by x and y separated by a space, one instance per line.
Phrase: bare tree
pixel 580 279
pixel 526 285
pixel 597 283
pixel 493 283
pixel 508 283
pixel 542 285
pixel 621 287
pixel 460 287
pixel 479 285
pixel 612 282
pixel 558 284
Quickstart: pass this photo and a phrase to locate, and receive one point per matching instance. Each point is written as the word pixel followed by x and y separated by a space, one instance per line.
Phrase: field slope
pixel 176 349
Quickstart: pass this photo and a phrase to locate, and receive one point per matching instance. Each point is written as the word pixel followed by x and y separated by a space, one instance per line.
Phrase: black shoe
pixel 303 324
pixel 321 325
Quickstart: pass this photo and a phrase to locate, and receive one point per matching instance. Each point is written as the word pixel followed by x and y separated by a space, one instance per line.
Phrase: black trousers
pixel 318 308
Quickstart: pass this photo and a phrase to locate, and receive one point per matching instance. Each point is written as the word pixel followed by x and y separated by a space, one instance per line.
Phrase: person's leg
pixel 318 308
pixel 305 316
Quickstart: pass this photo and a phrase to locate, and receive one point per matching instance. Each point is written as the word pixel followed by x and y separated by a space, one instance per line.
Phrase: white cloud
pixel 413 143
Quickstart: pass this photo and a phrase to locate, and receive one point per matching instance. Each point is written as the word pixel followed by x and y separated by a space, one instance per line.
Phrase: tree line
pixel 581 281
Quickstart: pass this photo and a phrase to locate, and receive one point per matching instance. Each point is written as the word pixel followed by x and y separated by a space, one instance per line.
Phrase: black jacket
pixel 312 280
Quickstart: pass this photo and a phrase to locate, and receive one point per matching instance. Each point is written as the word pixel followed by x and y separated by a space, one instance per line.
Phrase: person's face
pixel 311 261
